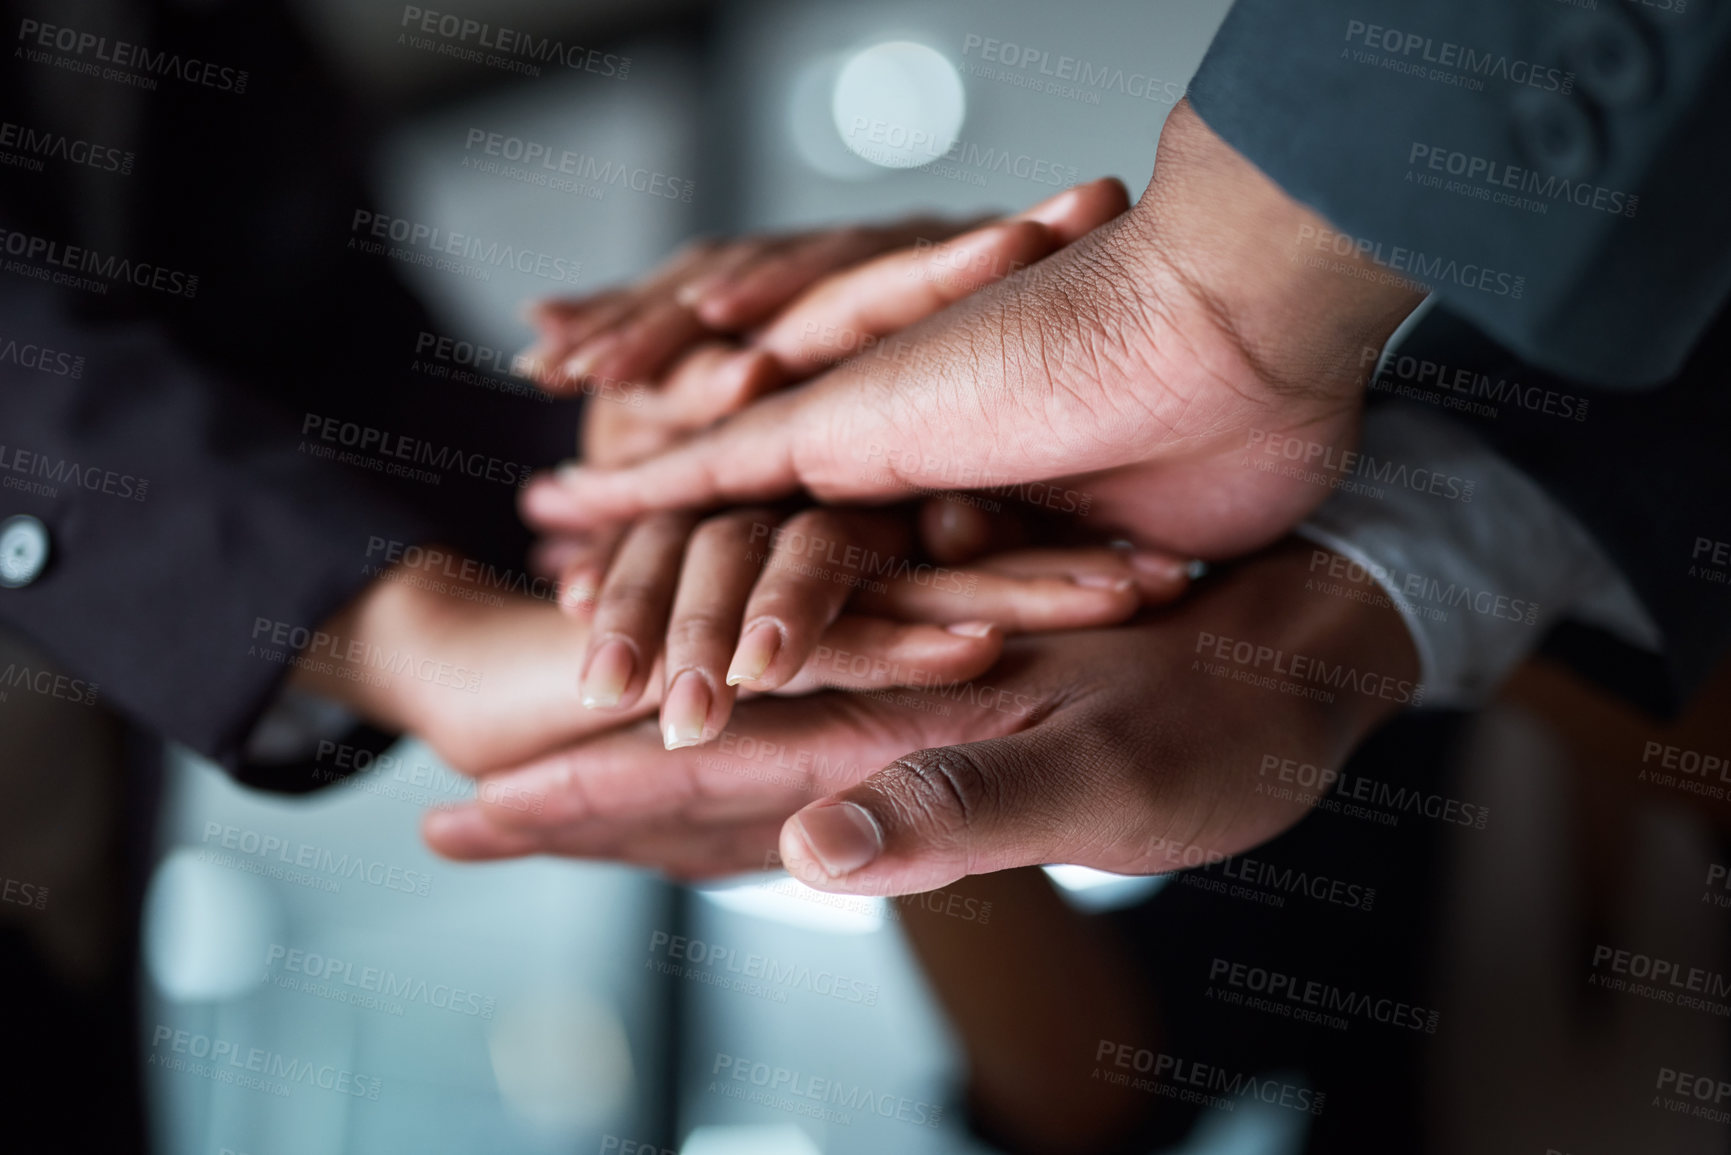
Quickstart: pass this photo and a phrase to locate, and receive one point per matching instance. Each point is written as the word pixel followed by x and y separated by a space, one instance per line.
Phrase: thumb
pixel 937 815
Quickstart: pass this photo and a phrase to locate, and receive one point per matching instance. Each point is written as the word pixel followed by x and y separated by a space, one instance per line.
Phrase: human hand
pixel 489 679
pixel 746 596
pixel 814 300
pixel 1164 342
pixel 1121 749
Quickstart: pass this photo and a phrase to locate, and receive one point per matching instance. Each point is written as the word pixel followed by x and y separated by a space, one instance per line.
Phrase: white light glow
pixel 899 104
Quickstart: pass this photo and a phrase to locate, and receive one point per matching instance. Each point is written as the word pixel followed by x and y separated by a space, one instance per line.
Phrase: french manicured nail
pixel 609 671
pixel 969 629
pixel 842 836
pixel 685 711
pixel 1159 566
pixel 757 649
pixel 1103 581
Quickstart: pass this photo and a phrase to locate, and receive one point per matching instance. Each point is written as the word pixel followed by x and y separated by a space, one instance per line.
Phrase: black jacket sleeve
pixel 1556 174
pixel 176 408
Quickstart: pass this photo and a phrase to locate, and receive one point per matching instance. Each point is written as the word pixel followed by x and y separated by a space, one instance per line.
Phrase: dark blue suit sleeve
pixel 1555 174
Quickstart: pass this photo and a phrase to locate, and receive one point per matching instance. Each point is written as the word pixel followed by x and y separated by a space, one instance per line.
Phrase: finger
pixel 720 569
pixel 848 312
pixel 712 381
pixel 631 612
pixel 748 457
pixel 868 653
pixel 810 568
pixel 643 343
pixel 937 815
pixel 755 290
pixel 1062 589
pixel 1080 210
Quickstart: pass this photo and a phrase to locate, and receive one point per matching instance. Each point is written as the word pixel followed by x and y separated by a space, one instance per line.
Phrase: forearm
pixel 1071 986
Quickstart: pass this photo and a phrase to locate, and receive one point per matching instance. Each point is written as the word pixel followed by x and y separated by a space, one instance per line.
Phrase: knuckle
pixel 698 630
pixel 943 792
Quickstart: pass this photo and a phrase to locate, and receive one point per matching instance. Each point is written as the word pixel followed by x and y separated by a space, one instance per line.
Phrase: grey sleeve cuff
pixel 1477 579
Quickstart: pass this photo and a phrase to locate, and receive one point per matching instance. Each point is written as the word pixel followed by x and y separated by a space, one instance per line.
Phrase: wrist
pixel 1263 265
pixel 396 623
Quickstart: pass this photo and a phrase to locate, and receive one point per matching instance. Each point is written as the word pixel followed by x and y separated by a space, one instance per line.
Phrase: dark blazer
pixel 1556 173
pixel 159 426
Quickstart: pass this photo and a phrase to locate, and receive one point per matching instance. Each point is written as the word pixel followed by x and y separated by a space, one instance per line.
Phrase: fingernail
pixel 1102 581
pixel 1159 566
pixel 685 711
pixel 691 293
pixel 569 474
pixel 969 629
pixel 757 649
pixel 578 365
pixel 609 671
pixel 842 836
